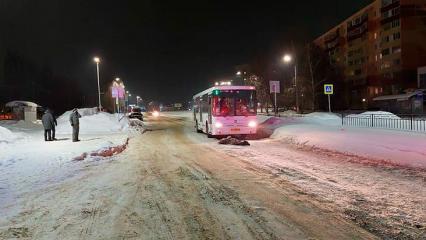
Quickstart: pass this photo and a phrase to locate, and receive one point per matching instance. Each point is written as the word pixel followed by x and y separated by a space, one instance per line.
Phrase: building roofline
pixel 345 20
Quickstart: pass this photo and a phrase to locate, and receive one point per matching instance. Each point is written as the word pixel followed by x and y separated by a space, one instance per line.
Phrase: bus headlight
pixel 218 125
pixel 252 124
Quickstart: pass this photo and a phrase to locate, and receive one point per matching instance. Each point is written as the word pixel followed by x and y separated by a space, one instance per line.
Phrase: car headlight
pixel 155 114
pixel 252 124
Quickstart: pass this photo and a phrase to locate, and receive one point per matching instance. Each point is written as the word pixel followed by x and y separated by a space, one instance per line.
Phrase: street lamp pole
pixel 287 59
pixel 296 87
pixel 97 61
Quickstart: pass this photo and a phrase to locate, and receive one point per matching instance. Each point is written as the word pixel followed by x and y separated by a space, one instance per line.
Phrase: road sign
pixel 274 86
pixel 328 89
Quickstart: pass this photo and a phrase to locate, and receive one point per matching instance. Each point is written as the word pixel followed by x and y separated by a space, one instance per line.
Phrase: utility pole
pixel 97 61
pixel 296 87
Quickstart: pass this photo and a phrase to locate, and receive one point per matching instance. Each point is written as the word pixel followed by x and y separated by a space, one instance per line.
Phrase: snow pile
pixel 289 113
pixel 22 126
pixel 323 118
pixel 274 121
pixel 376 114
pixel 93 122
pixel 325 131
pixel 382 119
pixel 6 136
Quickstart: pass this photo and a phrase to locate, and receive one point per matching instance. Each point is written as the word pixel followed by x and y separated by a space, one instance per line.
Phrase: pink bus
pixel 226 110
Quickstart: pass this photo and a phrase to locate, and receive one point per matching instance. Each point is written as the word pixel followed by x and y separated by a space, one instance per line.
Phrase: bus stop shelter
pixel 23 110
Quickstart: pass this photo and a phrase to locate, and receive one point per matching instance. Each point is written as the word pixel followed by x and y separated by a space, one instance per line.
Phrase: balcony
pixel 390 6
pixel 390 13
pixel 357 23
pixel 357 32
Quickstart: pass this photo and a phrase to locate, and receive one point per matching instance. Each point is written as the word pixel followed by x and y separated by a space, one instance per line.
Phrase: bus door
pixel 200 100
pixel 210 109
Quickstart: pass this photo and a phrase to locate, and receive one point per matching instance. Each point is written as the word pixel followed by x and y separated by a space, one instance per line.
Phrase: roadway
pixel 171 184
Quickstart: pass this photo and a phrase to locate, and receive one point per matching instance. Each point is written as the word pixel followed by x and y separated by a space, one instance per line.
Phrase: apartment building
pixel 379 49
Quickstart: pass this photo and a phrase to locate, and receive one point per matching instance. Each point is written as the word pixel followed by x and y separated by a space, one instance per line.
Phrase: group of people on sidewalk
pixel 49 124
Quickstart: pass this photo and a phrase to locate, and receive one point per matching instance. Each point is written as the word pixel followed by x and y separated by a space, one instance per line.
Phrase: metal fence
pixel 410 122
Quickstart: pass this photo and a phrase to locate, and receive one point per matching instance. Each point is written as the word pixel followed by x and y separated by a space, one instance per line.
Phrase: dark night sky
pixel 164 50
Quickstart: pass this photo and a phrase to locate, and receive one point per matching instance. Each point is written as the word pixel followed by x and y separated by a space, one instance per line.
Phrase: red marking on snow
pixel 81 157
pixel 108 152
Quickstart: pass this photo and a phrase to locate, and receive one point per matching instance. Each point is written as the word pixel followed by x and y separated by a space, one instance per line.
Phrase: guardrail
pixel 410 122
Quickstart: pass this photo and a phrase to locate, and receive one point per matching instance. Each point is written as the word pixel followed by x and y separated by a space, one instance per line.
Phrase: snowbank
pixel 323 118
pixel 376 114
pixel 22 126
pixel 93 122
pixel 6 136
pixel 402 148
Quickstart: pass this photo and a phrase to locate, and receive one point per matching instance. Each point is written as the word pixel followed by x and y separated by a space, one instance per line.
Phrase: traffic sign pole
pixel 274 87
pixel 276 108
pixel 329 103
pixel 328 90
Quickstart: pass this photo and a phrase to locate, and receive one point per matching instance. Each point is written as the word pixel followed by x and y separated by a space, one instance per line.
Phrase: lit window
pixel 396 49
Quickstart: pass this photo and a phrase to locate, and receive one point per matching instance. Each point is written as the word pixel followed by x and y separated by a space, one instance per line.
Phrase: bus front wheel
pixel 207 131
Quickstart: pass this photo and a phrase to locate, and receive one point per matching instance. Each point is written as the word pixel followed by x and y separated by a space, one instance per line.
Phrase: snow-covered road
pixel 172 183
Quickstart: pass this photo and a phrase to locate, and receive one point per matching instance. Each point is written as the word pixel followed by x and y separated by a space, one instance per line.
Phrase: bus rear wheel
pixel 196 127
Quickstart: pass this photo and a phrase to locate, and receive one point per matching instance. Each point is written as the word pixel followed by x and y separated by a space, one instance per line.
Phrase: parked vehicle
pixel 136 113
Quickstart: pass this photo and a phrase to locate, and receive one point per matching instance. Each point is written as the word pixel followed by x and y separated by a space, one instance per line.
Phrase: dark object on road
pixel 75 123
pixel 233 141
pixel 49 123
pixel 136 113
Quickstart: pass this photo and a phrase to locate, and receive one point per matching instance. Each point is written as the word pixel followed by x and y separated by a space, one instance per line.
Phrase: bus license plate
pixel 235 129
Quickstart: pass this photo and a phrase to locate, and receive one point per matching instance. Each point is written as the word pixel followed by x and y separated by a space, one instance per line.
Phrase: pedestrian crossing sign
pixel 328 89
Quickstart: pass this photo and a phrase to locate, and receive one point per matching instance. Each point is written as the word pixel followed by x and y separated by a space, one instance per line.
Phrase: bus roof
pixel 210 90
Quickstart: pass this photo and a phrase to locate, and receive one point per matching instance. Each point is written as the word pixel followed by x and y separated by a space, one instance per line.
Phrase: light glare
pixel 287 58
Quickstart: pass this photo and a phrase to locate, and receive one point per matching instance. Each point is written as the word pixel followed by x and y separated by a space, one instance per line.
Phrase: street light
pixel 288 59
pixel 238 73
pixel 97 61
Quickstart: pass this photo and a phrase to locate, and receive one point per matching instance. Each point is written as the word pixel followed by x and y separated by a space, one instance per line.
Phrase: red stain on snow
pixel 108 152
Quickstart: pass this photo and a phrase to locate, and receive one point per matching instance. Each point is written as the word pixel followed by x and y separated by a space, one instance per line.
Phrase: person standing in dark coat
pixel 54 126
pixel 75 123
pixel 48 124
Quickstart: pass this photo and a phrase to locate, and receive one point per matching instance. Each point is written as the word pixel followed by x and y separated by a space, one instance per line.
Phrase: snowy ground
pixel 375 177
pixel 169 184
pixel 172 182
pixel 28 163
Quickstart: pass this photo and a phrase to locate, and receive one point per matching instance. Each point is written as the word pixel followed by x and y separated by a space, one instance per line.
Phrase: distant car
pixel 136 113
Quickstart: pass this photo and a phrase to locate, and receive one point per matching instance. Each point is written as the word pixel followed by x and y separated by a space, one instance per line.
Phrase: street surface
pixel 172 183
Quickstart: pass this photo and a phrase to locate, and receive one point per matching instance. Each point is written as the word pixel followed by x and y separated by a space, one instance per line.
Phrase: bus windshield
pixel 234 103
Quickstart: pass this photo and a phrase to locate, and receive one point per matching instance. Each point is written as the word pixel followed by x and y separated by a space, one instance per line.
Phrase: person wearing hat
pixel 75 123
